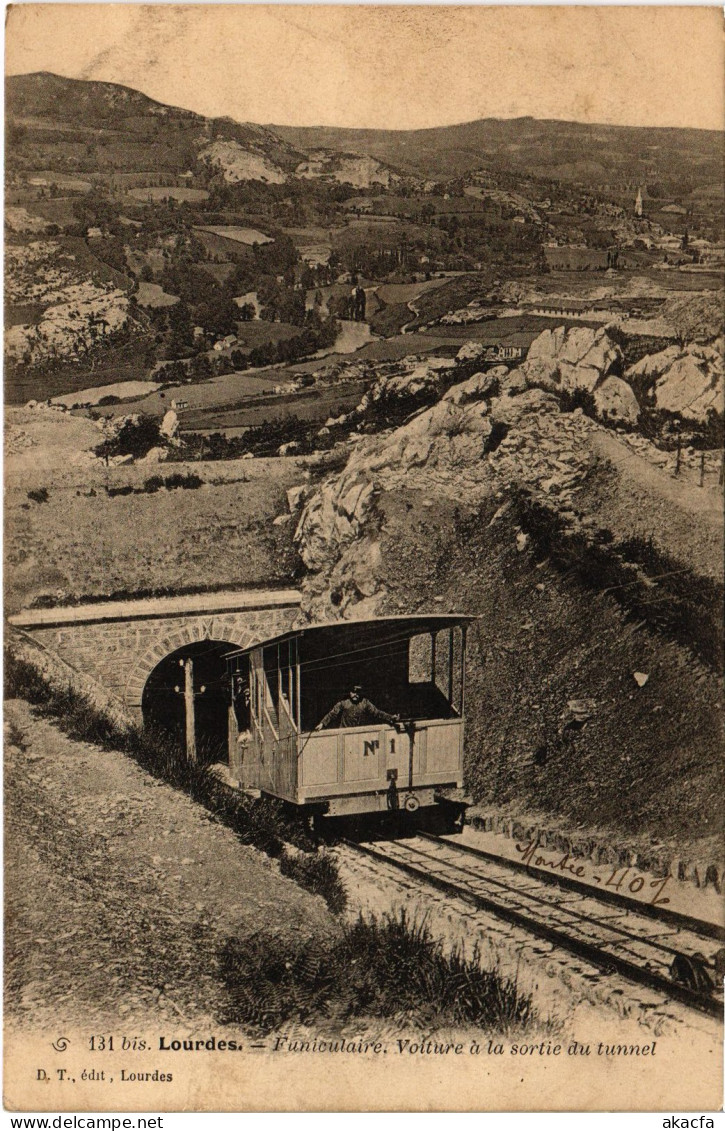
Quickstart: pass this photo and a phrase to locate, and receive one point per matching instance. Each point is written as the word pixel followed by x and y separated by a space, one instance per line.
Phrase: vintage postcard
pixel 363 558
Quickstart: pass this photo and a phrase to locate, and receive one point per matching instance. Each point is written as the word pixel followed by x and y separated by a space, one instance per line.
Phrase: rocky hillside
pixel 597 644
pixel 78 311
pixel 69 124
pixel 347 168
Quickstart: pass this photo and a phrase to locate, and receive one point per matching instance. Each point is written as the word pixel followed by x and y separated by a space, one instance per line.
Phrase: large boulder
pixel 578 358
pixel 170 427
pixel 470 351
pixel 476 388
pixel 296 496
pixel 418 377
pixel 653 365
pixel 687 381
pixel 615 401
pixel 542 361
pixel 154 455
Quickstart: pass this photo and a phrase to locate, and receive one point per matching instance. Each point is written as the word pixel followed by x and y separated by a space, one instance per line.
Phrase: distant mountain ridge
pixel 548 149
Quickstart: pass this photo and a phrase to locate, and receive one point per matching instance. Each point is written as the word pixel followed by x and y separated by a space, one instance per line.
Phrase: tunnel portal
pixel 164 701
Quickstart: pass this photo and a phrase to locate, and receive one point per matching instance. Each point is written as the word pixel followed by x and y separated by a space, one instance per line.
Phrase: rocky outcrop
pixel 238 163
pixel 470 444
pixel 417 376
pixel 470 351
pixel 414 379
pixel 578 358
pixel 334 517
pixel 362 171
pixel 477 387
pixel 688 382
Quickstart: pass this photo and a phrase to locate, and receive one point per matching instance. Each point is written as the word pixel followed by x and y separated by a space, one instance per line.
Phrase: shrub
pixel 135 438
pixel 39 495
pixel 499 432
pixel 569 399
pixel 189 482
pixel 318 873
pixel 380 967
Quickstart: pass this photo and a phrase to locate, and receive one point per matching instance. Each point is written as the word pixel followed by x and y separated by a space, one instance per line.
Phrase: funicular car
pixel 409 667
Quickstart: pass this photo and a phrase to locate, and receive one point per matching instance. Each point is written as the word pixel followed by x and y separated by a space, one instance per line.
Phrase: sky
pixel 390 67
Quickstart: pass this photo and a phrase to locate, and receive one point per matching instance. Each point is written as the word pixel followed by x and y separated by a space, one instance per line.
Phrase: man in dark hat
pixel 355 711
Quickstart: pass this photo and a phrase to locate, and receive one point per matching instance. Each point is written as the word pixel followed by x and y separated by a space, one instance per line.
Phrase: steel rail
pixel 570 883
pixel 605 960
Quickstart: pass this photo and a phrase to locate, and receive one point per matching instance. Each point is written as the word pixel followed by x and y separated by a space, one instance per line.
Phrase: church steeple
pixel 638 203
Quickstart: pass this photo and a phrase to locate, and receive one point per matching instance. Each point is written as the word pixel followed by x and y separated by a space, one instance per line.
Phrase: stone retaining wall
pixel 599 848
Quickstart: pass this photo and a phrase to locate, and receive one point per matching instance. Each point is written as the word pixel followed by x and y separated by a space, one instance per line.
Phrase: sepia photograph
pixel 363 558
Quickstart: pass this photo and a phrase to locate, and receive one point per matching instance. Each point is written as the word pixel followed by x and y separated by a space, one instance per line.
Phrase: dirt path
pixel 120 890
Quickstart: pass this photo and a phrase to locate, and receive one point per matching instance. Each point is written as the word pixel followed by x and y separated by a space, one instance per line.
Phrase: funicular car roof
pixel 387 629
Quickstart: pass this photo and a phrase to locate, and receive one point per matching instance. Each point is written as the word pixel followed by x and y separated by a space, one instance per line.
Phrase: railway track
pixel 654 946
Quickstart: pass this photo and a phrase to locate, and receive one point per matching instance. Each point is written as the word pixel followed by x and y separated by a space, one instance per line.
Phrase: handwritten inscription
pixel 624 880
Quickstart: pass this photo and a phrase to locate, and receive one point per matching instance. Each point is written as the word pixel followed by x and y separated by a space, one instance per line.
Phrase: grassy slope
pixel 648 762
pixel 82 544
pixel 219 963
pixel 139 878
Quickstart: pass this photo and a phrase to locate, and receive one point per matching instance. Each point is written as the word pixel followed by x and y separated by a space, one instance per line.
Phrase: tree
pixel 200 368
pixel 135 438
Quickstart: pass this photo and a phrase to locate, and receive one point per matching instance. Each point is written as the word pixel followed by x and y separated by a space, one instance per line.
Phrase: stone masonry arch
pixel 118 644
pixel 191 632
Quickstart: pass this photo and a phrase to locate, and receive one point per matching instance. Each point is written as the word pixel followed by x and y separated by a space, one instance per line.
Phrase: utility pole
pixel 189 706
pixel 189 710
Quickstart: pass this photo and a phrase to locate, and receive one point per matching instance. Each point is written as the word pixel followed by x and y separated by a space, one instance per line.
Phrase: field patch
pixel 227 390
pixel 384 231
pixel 43 178
pixel 248 236
pixel 151 294
pixel 261 333
pixel 123 390
pixel 168 192
pixel 408 292
pixel 310 405
pixel 58 211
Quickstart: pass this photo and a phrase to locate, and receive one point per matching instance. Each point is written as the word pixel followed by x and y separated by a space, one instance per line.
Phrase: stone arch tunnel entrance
pixel 131 649
pixel 164 700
